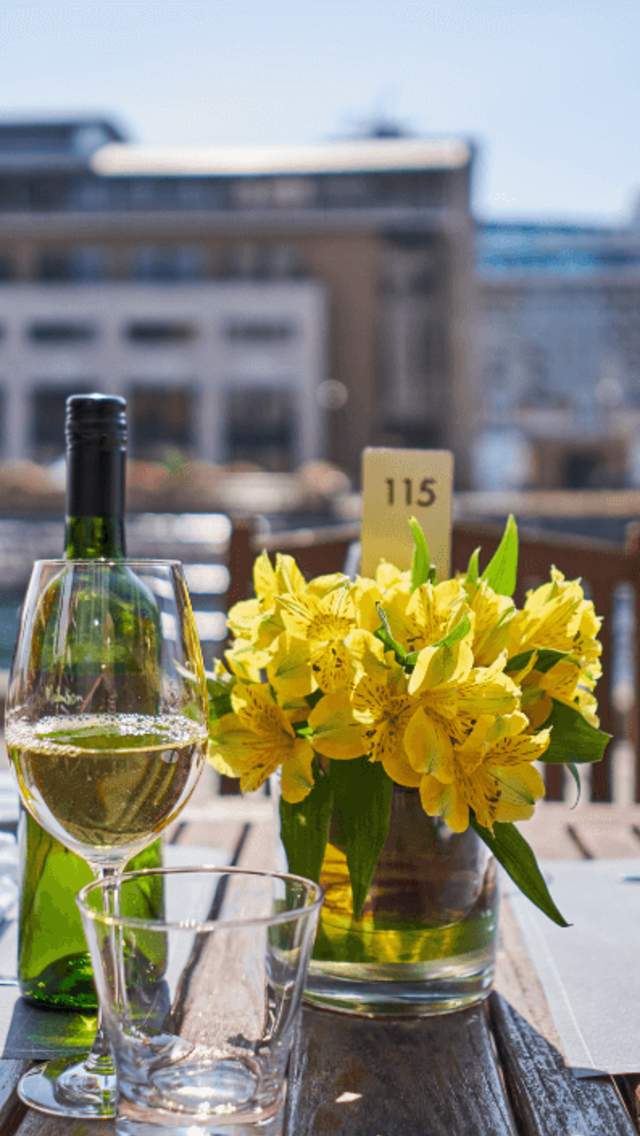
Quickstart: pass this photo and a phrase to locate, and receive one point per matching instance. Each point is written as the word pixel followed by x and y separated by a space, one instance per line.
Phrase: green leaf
pixel 512 851
pixel 461 629
pixel 572 738
pixel 362 795
pixel 219 696
pixel 421 559
pixel 383 633
pixel 573 770
pixel 547 658
pixel 473 567
pixel 304 828
pixel 502 570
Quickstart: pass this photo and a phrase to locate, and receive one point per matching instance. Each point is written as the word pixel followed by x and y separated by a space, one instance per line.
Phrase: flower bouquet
pixel 406 718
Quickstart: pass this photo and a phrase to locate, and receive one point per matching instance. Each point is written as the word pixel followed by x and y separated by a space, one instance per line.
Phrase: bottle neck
pixel 94 527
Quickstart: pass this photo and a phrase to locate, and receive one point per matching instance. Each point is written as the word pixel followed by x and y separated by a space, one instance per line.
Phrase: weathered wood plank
pixel 260 849
pixel 34 1124
pixel 606 840
pixel 423 1077
pixel 11 1108
pixel 549 835
pixel 546 1097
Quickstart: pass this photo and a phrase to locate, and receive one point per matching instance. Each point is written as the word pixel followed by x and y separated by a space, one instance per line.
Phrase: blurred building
pixel 559 338
pixel 264 304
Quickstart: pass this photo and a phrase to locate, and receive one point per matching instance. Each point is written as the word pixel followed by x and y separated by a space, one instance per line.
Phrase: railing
pixel 610 574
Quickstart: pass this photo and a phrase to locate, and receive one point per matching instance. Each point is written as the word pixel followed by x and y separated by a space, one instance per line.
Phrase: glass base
pixel 134 1120
pixel 69 1088
pixel 401 989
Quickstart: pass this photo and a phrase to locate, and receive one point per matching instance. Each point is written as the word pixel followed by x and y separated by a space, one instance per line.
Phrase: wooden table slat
pixel 423 1077
pixel 603 839
pixel 11 1108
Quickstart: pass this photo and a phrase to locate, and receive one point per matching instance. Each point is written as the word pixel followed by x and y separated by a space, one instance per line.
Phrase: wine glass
pixel 106 729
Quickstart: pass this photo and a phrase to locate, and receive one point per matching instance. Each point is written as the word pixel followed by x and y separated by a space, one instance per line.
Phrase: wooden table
pixel 495 1070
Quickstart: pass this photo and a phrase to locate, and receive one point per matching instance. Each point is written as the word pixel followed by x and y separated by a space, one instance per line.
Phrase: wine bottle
pixel 53 963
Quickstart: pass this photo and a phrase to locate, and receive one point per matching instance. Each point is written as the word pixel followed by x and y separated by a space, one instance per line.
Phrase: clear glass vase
pixel 425 943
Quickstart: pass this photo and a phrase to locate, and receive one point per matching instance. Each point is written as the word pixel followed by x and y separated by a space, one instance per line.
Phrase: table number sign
pixel 397 485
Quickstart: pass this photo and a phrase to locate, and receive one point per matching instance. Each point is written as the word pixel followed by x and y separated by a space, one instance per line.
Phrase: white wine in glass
pixel 106 728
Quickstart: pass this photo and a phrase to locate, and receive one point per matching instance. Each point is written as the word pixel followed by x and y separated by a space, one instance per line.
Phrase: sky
pixel 548 89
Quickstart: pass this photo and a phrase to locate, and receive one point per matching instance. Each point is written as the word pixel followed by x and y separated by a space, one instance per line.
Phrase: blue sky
pixel 549 90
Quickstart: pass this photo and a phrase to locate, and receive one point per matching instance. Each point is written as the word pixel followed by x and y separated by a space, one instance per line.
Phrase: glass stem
pixel 99 1060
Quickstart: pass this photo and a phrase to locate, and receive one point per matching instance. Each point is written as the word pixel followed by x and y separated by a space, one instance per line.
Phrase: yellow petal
pixel 335 732
pixel 396 766
pixel 288 575
pixel 243 619
pixel 246 660
pixel 322 585
pixel 445 801
pixel 367 653
pixel 289 669
pixel 436 666
pixel 428 746
pixel 264 578
pixel 256 709
pixel 485 692
pixel 520 787
pixel 332 666
pixel 297 775
pixel 524 747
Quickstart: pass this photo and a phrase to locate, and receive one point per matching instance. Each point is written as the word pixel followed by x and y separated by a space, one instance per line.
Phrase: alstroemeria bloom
pixel 325 622
pixel 556 615
pixel 492 773
pixel 257 620
pixel 453 693
pixel 258 738
pixel 382 703
pixel 425 616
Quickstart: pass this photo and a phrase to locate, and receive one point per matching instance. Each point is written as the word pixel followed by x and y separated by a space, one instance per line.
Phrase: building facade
pixel 559 346
pixel 267 304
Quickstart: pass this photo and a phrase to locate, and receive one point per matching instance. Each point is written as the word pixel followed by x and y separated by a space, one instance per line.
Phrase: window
pixel 270 192
pixel 81 264
pixel 161 418
pixel 259 330
pixel 168 264
pixel 60 331
pixel 47 419
pixel 260 426
pixel 152 332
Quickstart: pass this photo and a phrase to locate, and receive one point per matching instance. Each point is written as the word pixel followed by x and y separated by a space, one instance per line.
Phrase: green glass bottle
pixel 53 963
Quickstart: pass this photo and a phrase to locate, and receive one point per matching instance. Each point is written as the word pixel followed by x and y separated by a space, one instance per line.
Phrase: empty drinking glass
pixel 200 1005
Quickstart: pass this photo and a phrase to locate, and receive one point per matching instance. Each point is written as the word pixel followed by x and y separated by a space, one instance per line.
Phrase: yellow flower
pixel 257 738
pixel 492 773
pixel 325 622
pixel 453 693
pixel 556 615
pixel 366 593
pixel 382 703
pixel 258 620
pixel 565 682
pixel 427 615
pixel 491 623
